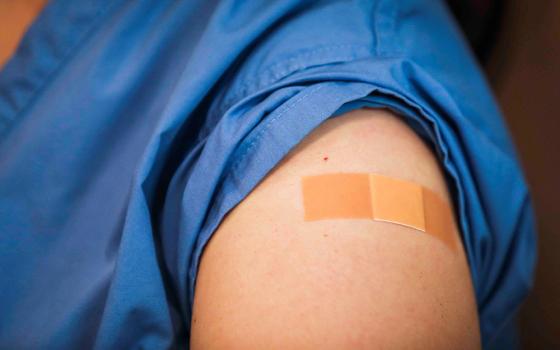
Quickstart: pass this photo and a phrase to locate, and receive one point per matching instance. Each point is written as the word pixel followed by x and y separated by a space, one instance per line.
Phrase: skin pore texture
pixel 270 280
pixel 15 18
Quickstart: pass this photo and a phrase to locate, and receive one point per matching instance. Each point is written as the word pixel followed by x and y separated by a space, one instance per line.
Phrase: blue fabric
pixel 128 129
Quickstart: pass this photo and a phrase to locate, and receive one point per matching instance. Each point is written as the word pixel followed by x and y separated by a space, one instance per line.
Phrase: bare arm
pixel 268 279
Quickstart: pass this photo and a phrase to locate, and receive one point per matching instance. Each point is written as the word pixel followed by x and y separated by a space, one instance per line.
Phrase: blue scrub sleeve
pixel 491 198
pixel 128 130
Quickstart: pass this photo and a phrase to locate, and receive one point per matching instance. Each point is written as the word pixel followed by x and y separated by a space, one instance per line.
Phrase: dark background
pixel 524 69
pixel 518 44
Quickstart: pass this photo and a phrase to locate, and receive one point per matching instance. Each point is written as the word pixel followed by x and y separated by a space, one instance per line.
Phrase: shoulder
pixel 267 278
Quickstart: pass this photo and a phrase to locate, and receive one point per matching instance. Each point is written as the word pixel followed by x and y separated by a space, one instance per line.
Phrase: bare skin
pixel 269 280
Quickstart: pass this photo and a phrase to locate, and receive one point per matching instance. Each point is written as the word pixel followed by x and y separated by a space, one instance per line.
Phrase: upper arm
pixel 269 279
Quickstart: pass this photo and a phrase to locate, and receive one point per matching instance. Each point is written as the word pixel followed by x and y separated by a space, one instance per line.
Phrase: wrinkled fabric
pixel 128 129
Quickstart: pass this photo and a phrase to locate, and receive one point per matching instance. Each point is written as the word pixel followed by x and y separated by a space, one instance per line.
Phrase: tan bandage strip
pixel 377 197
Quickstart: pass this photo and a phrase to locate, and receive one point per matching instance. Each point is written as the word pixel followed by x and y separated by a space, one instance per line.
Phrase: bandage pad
pixel 380 198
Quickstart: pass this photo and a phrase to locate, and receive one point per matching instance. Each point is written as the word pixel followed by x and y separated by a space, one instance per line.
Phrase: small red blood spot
pixel 325 158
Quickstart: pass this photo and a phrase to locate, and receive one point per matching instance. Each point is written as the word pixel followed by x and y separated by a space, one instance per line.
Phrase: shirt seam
pixel 281 69
pixel 270 123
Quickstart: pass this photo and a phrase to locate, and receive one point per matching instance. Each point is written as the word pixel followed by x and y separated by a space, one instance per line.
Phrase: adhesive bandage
pixel 380 198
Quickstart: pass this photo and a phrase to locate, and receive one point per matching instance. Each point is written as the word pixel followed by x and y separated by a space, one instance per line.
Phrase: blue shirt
pixel 128 129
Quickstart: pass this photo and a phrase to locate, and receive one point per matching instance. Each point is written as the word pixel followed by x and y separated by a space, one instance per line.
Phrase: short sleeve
pixel 129 129
pixel 419 68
